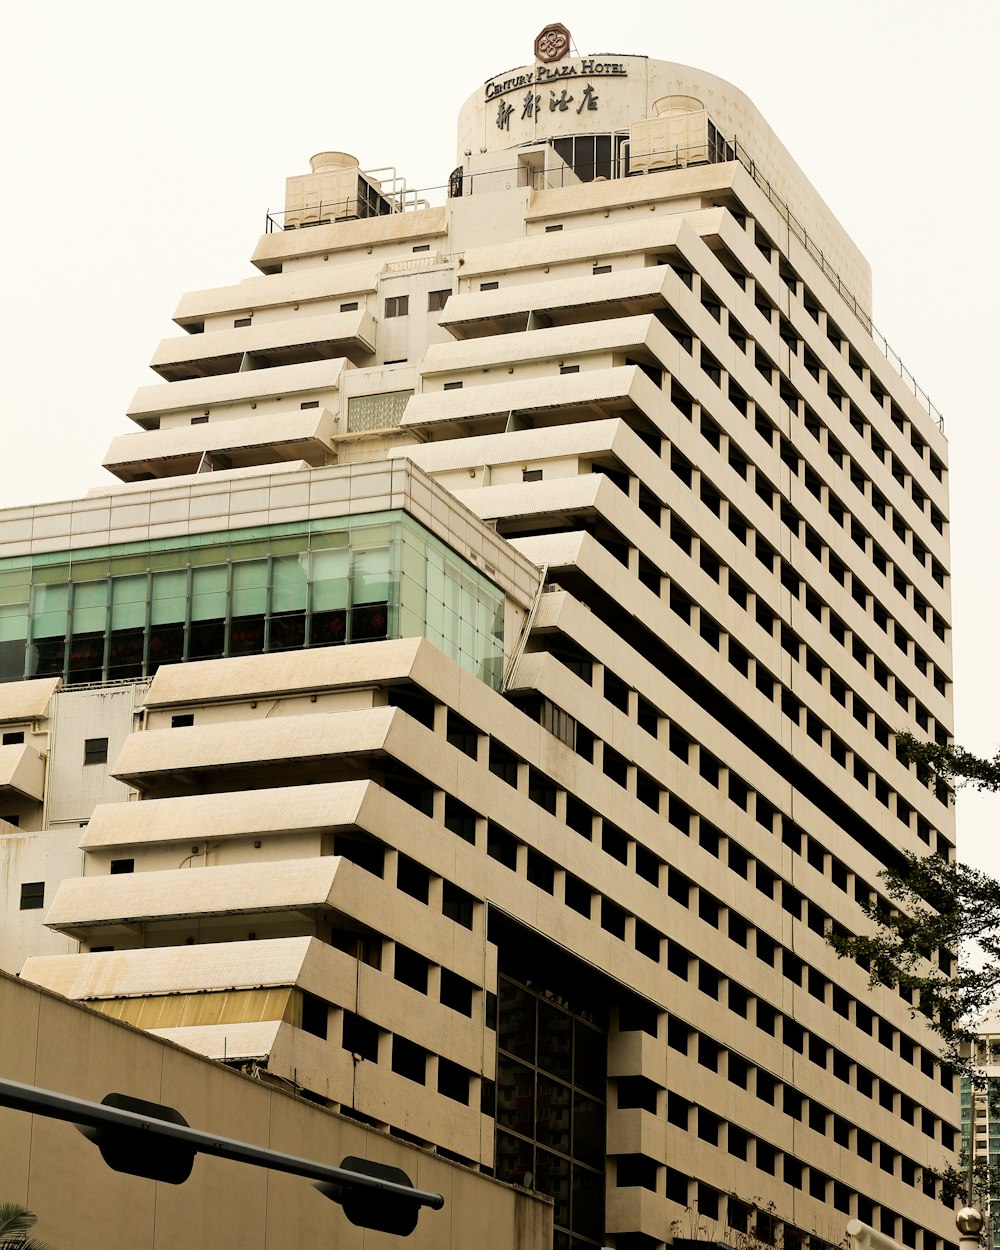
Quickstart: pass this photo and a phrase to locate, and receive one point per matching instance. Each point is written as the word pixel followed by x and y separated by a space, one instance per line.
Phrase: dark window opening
pixel 409 1060
pixel 32 895
pixel 95 751
pixel 315 1015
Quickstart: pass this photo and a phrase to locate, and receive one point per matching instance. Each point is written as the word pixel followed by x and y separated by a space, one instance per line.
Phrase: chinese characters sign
pixel 531 105
pixel 540 92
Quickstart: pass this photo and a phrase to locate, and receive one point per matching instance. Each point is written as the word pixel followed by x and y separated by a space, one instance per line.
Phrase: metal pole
pixel 96 1115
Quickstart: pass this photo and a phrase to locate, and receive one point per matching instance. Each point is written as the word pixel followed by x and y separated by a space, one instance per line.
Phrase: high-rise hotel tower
pixel 474 703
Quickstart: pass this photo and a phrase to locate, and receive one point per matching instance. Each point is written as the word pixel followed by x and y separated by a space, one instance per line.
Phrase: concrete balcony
pixel 289 749
pixel 636 1132
pixel 295 341
pixel 27 700
pixel 641 337
pixel 255 1039
pixel 22 772
pixel 632 1209
pixel 277 290
pixel 223 817
pixel 238 444
pixel 287 673
pixel 172 969
pixel 400 228
pixel 138 901
pixel 595 394
pixel 150 403
pixel 563 302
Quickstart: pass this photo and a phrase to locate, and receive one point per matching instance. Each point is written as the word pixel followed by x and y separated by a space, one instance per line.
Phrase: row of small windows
pixel 578 895
pixel 367 1041
pixel 742 402
pixel 505 848
pixel 739 592
pixel 792 340
pixel 687 678
pixel 716 1131
pixel 813 307
pixel 752 668
pixel 685 539
pixel 688 610
pixel 790 1102
pixel 645 1172
pixel 399 305
pixel 792 520
pixel 760 1226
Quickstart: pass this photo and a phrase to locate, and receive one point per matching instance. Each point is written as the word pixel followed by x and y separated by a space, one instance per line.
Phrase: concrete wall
pixel 50 1168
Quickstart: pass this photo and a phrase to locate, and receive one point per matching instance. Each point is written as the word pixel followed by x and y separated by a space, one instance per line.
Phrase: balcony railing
pixel 716 150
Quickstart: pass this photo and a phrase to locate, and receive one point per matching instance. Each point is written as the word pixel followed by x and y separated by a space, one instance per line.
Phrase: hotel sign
pixel 549 75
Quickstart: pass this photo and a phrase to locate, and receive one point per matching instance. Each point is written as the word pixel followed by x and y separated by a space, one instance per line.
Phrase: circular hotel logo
pixel 552 44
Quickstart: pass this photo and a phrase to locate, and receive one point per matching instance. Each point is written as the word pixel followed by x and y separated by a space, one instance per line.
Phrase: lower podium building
pixel 474 704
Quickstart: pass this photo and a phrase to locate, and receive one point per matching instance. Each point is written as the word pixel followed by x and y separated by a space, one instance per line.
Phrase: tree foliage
pixel 951 765
pixel 16 1223
pixel 939 939
pixel 940 936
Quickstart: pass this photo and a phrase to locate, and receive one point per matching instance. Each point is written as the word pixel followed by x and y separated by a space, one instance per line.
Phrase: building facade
pixel 474 704
pixel 49 1167
pixel 981 1126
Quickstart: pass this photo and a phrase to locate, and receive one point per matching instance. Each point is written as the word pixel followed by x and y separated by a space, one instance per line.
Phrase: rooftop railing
pixel 714 150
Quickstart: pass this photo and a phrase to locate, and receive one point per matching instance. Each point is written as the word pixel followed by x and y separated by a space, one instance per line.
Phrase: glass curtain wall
pixel 117 613
pixel 550 1109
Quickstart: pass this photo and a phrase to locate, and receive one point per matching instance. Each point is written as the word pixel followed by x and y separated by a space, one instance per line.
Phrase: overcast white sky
pixel 144 143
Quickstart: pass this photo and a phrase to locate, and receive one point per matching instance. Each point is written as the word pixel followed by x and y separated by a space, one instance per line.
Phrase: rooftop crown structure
pixel 483 676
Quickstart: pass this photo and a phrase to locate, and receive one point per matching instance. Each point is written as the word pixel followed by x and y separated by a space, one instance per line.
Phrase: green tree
pixel 16 1223
pixel 940 936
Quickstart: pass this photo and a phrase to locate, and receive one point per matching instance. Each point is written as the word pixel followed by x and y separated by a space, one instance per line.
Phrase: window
pixel 409 1060
pixel 243 321
pixel 456 992
pixel 309 403
pixel 421 247
pixel 457 905
pixel 122 865
pixel 397 306
pixel 32 895
pixel 315 1015
pixel 452 386
pixel 488 286
pixel 411 969
pixel 352 306
pixel 453 1081
pixel 360 1037
pixel 199 420
pixel 95 751
pixel 602 269
pixel 436 300
pixel 569 368
pixel 182 720
pixel 531 475
pixel 13 737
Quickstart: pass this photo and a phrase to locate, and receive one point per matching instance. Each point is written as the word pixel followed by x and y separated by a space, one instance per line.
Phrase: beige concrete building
pixel 49 1167
pixel 480 684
